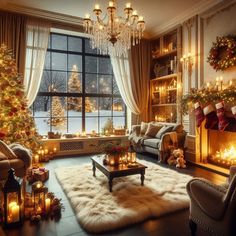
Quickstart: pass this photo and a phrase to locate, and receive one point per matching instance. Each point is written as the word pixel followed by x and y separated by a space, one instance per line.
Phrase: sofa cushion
pixel 7 151
pixel 163 130
pixel 144 127
pixel 151 142
pixel 152 130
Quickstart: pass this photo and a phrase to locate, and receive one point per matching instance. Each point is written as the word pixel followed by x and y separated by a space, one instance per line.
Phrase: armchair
pixel 213 207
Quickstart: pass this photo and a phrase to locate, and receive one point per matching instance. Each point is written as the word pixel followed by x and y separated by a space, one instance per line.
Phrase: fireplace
pixel 221 148
pixel 215 149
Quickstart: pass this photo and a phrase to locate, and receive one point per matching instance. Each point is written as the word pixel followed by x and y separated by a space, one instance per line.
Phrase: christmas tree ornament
pixel 200 117
pixel 14 110
pixel 211 117
pixel 223 120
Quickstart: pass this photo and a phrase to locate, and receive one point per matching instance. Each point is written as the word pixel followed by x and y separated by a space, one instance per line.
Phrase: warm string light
pixel 117 34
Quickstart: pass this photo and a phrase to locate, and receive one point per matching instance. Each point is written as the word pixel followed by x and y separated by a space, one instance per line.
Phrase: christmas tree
pixel 88 105
pixel 57 112
pixel 16 122
pixel 74 86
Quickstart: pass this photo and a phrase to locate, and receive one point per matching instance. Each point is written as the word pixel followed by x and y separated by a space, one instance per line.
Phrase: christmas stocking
pixel 211 117
pixel 233 123
pixel 223 120
pixel 199 114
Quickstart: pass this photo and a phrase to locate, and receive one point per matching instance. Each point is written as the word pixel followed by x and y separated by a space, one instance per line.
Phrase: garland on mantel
pixel 206 96
pixel 222 55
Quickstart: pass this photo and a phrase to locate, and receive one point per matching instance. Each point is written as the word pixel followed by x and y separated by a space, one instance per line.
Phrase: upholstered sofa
pixel 157 138
pixel 14 156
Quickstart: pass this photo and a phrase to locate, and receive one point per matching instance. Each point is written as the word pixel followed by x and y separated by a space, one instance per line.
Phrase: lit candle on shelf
pixel 230 83
pixel 47 204
pixel 208 86
pixel 106 132
pixel 42 152
pixel 46 151
pixel 15 211
pixel 83 134
pixel 54 150
pixel 36 158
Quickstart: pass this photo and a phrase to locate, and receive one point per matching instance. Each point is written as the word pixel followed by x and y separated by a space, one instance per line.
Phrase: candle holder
pixel 12 203
pixel 39 192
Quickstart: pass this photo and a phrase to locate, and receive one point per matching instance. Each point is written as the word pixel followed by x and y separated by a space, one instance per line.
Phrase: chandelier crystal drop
pixel 113 34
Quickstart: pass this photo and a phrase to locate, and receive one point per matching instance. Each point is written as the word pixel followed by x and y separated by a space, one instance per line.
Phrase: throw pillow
pixel 7 151
pixel 152 130
pixel 163 130
pixel 144 127
pixel 2 157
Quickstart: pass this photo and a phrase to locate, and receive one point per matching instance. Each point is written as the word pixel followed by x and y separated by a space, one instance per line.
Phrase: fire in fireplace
pixel 226 157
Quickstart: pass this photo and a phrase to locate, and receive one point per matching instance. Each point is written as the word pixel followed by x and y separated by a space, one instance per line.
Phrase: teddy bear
pixel 180 162
pixel 177 158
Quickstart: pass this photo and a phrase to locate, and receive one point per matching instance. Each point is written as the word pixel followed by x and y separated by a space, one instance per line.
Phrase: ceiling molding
pixel 43 14
pixel 179 19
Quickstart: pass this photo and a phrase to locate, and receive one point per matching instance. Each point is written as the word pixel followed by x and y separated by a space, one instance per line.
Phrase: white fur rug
pixel 98 210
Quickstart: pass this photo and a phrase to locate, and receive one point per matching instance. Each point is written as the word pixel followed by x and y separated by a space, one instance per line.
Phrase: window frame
pixel 83 93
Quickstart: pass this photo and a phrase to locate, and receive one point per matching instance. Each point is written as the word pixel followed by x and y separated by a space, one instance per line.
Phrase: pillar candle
pixel 15 210
pixel 47 204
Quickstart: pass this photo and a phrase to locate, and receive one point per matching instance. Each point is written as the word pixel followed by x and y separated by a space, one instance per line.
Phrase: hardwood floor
pixel 175 224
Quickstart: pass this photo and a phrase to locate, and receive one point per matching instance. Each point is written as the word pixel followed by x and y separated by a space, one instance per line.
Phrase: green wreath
pixel 222 55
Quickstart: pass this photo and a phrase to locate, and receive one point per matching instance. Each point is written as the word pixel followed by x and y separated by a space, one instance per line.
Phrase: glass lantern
pixel 12 203
pixel 39 192
pixel 131 155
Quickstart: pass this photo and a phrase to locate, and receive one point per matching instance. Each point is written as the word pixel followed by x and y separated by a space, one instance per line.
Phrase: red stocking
pixel 199 114
pixel 211 117
pixel 223 120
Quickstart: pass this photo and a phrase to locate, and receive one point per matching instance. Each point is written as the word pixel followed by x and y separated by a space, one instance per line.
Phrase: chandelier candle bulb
pixel 111 4
pixel 128 5
pixel 96 7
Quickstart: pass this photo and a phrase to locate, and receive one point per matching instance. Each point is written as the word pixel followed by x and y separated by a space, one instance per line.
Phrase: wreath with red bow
pixel 222 55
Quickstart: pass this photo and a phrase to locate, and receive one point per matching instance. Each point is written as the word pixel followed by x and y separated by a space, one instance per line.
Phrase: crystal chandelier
pixel 113 34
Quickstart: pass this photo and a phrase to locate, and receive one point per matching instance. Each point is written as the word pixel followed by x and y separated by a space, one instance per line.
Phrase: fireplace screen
pixel 222 148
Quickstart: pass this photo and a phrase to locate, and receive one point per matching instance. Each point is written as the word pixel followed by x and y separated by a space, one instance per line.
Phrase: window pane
pixel 59 80
pixel 74 125
pixel 59 61
pixel 91 105
pixel 74 106
pixel 105 66
pixel 42 125
pixel 88 48
pixel 105 106
pixel 74 82
pixel 59 42
pixel 91 124
pixel 75 62
pixel 119 122
pixel 105 123
pixel 91 64
pixel 118 107
pixel 91 83
pixel 105 84
pixel 45 82
pixel 74 44
pixel 115 87
pixel 47 61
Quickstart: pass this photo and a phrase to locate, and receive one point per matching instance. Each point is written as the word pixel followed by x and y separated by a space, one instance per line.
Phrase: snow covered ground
pixel 74 124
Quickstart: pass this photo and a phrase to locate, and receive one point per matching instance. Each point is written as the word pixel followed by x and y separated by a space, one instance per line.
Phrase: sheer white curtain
pixel 122 75
pixel 37 35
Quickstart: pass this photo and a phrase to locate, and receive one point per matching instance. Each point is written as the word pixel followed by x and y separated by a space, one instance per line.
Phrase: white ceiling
pixel 158 14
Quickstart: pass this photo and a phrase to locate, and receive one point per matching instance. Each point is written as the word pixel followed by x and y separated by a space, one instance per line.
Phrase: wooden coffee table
pixel 112 172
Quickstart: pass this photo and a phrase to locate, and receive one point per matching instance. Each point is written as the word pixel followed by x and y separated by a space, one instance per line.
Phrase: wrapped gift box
pixel 38 174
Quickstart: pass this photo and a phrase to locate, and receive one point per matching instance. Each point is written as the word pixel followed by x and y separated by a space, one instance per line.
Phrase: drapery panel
pixel 37 35
pixel 13 35
pixel 132 72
